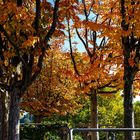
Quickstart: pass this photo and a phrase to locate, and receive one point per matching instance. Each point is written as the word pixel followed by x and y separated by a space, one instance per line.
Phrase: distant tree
pixel 54 92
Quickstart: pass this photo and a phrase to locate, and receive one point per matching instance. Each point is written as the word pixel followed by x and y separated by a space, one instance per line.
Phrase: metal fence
pixel 110 130
pixel 62 132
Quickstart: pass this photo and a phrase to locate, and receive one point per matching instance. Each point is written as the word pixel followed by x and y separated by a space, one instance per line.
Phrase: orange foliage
pixel 101 62
pixel 54 92
pixel 97 25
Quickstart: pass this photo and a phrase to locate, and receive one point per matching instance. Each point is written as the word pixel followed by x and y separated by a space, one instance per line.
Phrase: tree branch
pixel 85 10
pixel 47 38
pixel 55 18
pixel 89 53
pixel 4 87
pixel 108 84
pixel 38 15
pixel 107 92
pixel 124 25
pixel 19 3
pixel 8 38
pixel 93 2
pixel 71 51
pixel 44 46
pixel 12 43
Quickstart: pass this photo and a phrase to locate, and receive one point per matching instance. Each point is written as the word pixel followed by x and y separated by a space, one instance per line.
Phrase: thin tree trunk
pixel 63 132
pixel 133 123
pixel 14 113
pixel 94 114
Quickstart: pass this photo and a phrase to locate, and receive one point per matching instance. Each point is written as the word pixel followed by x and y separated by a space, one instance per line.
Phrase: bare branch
pixel 38 15
pixel 108 92
pixel 102 43
pixel 86 47
pixel 93 2
pixel 85 10
pixel 53 26
pixel 71 51
pixel 108 84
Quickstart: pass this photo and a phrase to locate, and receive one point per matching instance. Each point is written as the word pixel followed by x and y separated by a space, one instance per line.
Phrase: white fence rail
pixel 100 129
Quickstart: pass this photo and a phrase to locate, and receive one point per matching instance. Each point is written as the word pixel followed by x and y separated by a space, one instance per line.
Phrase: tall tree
pixel 131 52
pixel 92 68
pixel 23 43
pixel 124 17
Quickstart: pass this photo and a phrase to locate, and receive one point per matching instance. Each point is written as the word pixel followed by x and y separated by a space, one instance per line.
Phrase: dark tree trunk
pixel 129 74
pixel 63 132
pixel 128 101
pixel 14 113
pixel 0 116
pixel 94 114
pixel 129 44
pixel 4 116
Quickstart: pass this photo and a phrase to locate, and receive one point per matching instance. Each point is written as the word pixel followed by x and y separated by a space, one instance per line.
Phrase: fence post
pixel 71 134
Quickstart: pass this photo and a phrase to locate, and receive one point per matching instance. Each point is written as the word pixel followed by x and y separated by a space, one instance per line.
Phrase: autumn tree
pixel 125 29
pixel 131 52
pixel 25 30
pixel 54 92
pixel 92 67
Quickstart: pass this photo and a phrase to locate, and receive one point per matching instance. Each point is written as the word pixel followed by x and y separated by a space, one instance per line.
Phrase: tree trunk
pixel 94 114
pixel 14 113
pixel 128 99
pixel 63 132
pixel 1 116
pixel 4 116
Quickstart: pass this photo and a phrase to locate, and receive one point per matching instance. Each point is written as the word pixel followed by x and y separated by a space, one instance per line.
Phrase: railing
pixel 100 129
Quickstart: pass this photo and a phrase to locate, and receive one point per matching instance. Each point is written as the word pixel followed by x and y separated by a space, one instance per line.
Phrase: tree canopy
pixel 109 33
